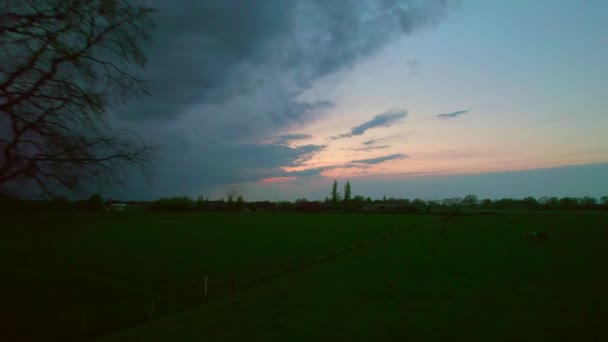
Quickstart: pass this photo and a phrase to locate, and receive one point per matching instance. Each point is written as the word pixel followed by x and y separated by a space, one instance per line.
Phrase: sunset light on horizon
pixel 482 87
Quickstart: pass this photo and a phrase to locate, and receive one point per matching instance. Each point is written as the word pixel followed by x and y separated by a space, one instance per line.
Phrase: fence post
pixel 205 282
pixel 152 308
pixel 80 333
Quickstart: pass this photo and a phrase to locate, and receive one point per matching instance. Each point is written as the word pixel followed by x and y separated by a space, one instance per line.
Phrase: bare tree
pixel 62 62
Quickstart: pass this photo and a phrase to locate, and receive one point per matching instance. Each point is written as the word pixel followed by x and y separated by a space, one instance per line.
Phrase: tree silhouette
pixel 604 201
pixel 470 200
pixel 240 202
pixel 334 195
pixel 95 202
pixel 347 195
pixel 62 62
pixel 230 202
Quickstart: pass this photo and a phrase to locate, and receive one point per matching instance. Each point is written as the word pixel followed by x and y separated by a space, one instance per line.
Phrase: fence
pixel 90 323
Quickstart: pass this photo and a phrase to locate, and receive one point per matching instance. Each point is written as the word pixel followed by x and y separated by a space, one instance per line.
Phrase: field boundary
pixel 242 282
pixel 189 296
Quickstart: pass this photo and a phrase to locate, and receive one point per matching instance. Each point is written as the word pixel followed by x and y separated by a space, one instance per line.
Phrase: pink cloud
pixel 272 180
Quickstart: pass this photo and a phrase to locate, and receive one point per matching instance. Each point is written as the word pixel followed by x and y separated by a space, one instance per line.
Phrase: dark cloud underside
pixel 287 138
pixel 386 119
pixel 453 115
pixel 207 51
pixel 379 160
pixel 234 72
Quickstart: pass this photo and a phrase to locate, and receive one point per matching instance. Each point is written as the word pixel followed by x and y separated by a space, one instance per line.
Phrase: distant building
pixel 117 207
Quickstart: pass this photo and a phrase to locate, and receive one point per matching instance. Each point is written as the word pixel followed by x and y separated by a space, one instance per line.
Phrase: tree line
pixel 336 202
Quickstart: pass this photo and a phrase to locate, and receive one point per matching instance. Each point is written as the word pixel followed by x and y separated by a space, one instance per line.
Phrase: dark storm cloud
pixel 453 115
pixel 287 138
pixel 318 170
pixel 253 156
pixel 211 51
pixel 386 119
pixel 382 159
pixel 295 111
pixel 227 164
pixel 238 71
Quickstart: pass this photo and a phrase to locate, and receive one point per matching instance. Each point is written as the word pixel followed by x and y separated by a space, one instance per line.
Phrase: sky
pixel 275 99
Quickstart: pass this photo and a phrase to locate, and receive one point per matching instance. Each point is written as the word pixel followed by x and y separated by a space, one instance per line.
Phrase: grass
pixel 101 271
pixel 481 281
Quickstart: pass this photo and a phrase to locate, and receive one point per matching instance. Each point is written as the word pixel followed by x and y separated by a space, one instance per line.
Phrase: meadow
pixel 138 276
pixel 75 276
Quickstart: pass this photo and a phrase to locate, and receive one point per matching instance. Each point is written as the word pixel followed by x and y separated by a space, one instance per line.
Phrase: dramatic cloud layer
pixel 453 115
pixel 287 138
pixel 237 72
pixel 382 159
pixel 209 52
pixel 386 119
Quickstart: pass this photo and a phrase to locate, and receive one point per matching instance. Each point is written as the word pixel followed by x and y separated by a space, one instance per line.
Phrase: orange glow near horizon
pixel 433 165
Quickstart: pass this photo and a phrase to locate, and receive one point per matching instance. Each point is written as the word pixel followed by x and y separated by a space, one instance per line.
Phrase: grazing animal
pixel 536 235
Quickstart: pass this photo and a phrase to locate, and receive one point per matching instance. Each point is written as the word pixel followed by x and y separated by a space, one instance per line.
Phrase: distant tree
pixel 530 202
pixel 470 200
pixel 552 203
pixel 433 203
pixel 604 201
pixel 240 202
pixel 451 202
pixel 184 203
pixel 230 202
pixel 285 206
pixel 505 203
pixel 202 203
pixel 334 195
pixel 347 195
pixel 95 198
pixel 358 199
pixel 95 202
pixel 486 203
pixel 568 203
pixel 419 203
pixel 588 202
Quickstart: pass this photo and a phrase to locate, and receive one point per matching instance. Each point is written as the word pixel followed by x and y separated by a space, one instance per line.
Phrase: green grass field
pixel 100 271
pixel 64 278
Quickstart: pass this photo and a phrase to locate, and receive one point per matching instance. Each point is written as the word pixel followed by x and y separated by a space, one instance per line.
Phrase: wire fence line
pixel 88 323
